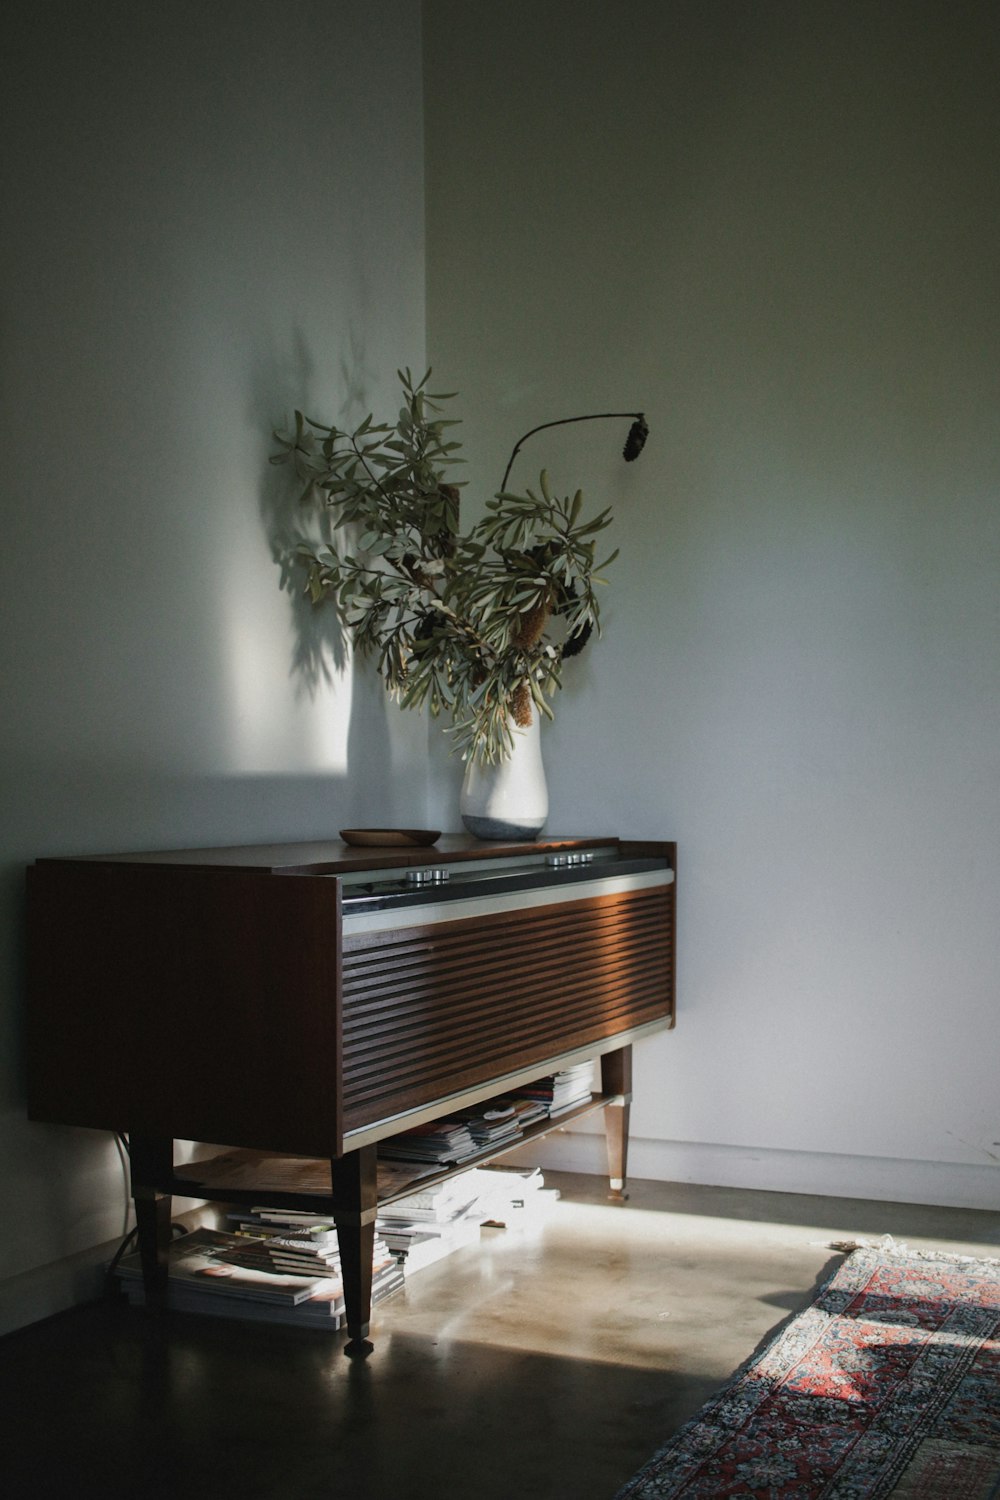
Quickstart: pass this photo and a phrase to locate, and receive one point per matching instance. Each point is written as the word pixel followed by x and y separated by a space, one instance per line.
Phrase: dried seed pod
pixel 531 626
pixel 521 705
pixel 575 642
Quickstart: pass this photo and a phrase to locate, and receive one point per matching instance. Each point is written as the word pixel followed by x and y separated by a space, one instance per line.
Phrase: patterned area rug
pixel 889 1384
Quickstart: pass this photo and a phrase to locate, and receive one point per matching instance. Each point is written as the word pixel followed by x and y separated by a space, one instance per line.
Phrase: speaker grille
pixel 431 1010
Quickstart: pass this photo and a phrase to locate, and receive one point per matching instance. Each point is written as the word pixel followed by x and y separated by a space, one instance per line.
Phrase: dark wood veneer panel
pixel 186 1003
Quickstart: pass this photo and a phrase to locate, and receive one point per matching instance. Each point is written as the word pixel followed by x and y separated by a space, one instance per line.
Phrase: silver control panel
pixel 377 899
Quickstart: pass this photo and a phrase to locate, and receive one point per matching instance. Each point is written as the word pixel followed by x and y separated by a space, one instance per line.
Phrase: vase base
pixel 499 828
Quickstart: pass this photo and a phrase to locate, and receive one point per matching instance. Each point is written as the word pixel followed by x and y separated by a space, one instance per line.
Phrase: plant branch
pixel 368 470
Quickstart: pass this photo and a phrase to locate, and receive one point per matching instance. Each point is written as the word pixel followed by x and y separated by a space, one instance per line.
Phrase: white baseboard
pixel 882 1179
pixel 51 1289
pixel 41 1293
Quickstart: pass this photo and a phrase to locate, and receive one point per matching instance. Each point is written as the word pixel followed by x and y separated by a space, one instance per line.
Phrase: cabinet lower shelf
pixel 304 1183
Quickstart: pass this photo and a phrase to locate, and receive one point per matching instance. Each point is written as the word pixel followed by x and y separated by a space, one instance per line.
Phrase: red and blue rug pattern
pixel 888 1385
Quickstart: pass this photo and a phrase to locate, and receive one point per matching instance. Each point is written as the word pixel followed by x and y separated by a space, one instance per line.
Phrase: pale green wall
pixel 771 225
pixel 774 226
pixel 213 213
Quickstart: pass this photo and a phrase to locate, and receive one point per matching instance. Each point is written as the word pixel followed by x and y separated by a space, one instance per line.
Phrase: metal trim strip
pixel 400 917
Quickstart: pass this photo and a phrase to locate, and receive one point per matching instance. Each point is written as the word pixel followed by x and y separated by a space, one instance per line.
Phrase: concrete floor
pixel 548 1361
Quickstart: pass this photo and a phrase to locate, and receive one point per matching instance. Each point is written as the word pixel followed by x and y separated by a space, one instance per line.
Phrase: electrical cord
pixel 125 1156
pixel 130 1240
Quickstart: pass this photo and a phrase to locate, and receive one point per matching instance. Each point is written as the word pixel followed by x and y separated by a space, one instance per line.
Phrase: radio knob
pixel 436 876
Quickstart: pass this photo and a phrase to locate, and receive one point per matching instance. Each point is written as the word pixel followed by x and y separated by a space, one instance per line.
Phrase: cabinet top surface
pixel 332 856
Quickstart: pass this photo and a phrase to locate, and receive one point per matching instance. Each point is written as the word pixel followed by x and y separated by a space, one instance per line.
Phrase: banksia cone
pixel 574 644
pixel 529 630
pixel 521 705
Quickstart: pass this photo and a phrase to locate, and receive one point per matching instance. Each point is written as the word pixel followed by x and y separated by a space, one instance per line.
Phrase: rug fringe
pixel 888 1245
pixel 885 1243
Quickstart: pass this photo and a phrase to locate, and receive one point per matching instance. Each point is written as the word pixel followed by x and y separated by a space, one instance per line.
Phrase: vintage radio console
pixel 314 999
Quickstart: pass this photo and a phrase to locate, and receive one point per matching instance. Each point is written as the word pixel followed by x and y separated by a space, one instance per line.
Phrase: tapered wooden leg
pixel 616 1080
pixel 151 1161
pixel 355 1200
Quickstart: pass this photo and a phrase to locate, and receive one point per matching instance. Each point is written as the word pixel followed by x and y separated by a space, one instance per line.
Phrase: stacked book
pixel 426 1226
pixel 526 1111
pixel 560 1091
pixel 429 1225
pixel 287 1238
pixel 298 1243
pixel 445 1143
pixel 492 1125
pixel 246 1273
pixel 482 1128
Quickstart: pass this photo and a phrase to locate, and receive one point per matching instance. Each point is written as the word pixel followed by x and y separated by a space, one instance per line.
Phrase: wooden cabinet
pixel 313 999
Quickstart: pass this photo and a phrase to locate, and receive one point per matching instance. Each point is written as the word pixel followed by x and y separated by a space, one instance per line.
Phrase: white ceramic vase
pixel 508 799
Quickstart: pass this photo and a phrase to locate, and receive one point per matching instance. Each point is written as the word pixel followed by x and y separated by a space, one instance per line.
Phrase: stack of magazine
pixel 492 1126
pixel 426 1226
pixel 560 1091
pixel 444 1143
pixel 284 1265
pixel 275 1273
pixel 501 1122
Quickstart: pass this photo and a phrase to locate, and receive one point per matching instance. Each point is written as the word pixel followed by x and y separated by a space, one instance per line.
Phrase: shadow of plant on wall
pixel 321 643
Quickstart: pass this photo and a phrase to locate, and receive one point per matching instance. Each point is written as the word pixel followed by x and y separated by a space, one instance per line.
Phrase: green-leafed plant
pixel 475 624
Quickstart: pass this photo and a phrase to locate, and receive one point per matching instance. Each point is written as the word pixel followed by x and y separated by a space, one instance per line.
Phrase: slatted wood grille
pixel 435 1009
